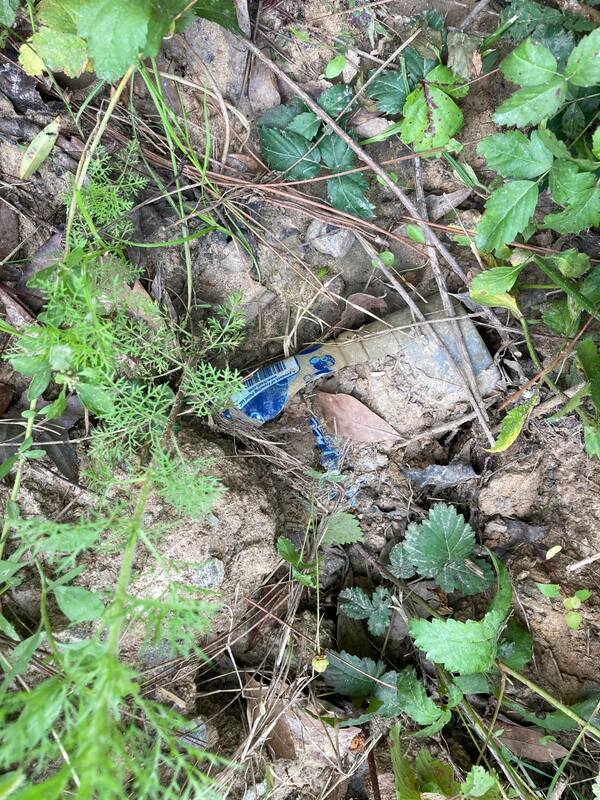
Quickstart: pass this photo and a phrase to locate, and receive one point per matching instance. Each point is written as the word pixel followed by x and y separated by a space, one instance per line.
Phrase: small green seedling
pixel 572 604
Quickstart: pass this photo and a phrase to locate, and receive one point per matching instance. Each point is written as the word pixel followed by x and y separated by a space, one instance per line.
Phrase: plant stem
pixel 88 153
pixel 550 699
pixel 18 476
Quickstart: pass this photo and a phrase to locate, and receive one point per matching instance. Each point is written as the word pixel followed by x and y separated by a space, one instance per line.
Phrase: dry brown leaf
pixel 244 163
pixel 356 305
pixel 369 123
pixel 347 416
pixel 477 63
pixel 525 743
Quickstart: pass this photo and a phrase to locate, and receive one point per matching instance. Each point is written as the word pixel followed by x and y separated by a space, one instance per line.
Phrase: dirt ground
pixel 540 494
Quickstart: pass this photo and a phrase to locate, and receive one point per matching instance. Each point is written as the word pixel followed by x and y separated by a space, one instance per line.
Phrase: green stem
pixel 18 477
pixel 567 758
pixel 550 699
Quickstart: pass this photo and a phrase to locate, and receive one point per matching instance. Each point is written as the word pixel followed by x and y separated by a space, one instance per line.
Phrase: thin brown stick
pixel 373 774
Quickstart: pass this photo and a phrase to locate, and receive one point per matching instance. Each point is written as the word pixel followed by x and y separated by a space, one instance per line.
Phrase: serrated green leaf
pixel 60 52
pixel 336 154
pixel 8 12
pixel 576 217
pixel 583 66
pixel 290 153
pixel 400 564
pixel 473 683
pixel 567 184
pixel 430 119
pixel 591 441
pixel 306 124
pixel 532 104
pixel 558 40
pixel 386 695
pixel 78 604
pixel 570 263
pixel 39 149
pixel 512 425
pixel 381 614
pixel 439 548
pixel 346 193
pixel 220 11
pixel 479 784
pixel 530 15
pixel 470 646
pixel 116 34
pixel 342 528
pixel 556 146
pixel 335 67
pixel 414 700
pixel 335 99
pixel 355 603
pixel 352 676
pixel 497 279
pixel 390 91
pixel 513 155
pixel 60 15
pixel 508 211
pixel 529 64
pixel 282 115
pixel 515 648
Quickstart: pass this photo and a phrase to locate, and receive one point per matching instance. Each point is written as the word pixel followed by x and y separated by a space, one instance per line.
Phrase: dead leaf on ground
pixel 347 416
pixel 356 306
pixel 244 163
pixel 368 123
pixel 525 743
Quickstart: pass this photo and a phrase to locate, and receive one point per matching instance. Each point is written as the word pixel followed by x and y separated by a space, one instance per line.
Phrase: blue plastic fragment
pixel 330 457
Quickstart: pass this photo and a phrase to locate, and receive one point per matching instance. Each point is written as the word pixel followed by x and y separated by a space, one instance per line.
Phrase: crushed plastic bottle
pixel 267 392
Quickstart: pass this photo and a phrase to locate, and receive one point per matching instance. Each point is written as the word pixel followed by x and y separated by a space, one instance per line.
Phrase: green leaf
pixel 512 425
pixel 416 234
pixel 78 604
pixel 39 382
pixel 10 782
pixel 306 124
pixel 515 648
pixel 479 784
pixel 336 154
pixel 588 357
pixel 508 211
pixel 567 184
pixel 381 614
pixel 387 695
pixel 529 64
pixel 8 12
pixel 335 67
pixel 583 66
pixel 335 99
pixel 596 143
pixel 574 619
pixel 39 149
pixel 591 441
pixel 352 676
pixel 60 52
pixel 570 263
pixel 404 777
pixel 414 700
pixel 7 465
pixel 287 550
pixel 116 34
pixel 289 152
pixel 55 408
pixel 497 279
pixel 342 528
pixel 281 116
pixel 220 11
pixel 558 721
pixel 400 562
pixel 532 104
pixel 9 568
pixel 390 90
pixel 355 603
pixel 430 119
pixel 435 776
pixel 473 682
pixel 576 217
pixel 60 15
pixel 95 398
pixel 500 300
pixel 439 547
pixel 561 318
pixel 556 146
pixel 346 193
pixel 549 589
pixel 513 155
pixel 470 646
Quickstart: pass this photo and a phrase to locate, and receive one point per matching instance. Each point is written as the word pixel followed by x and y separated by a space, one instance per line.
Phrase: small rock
pixel 329 239
pixel 511 493
pixel 262 88
pixel 209 575
pixel 235 259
